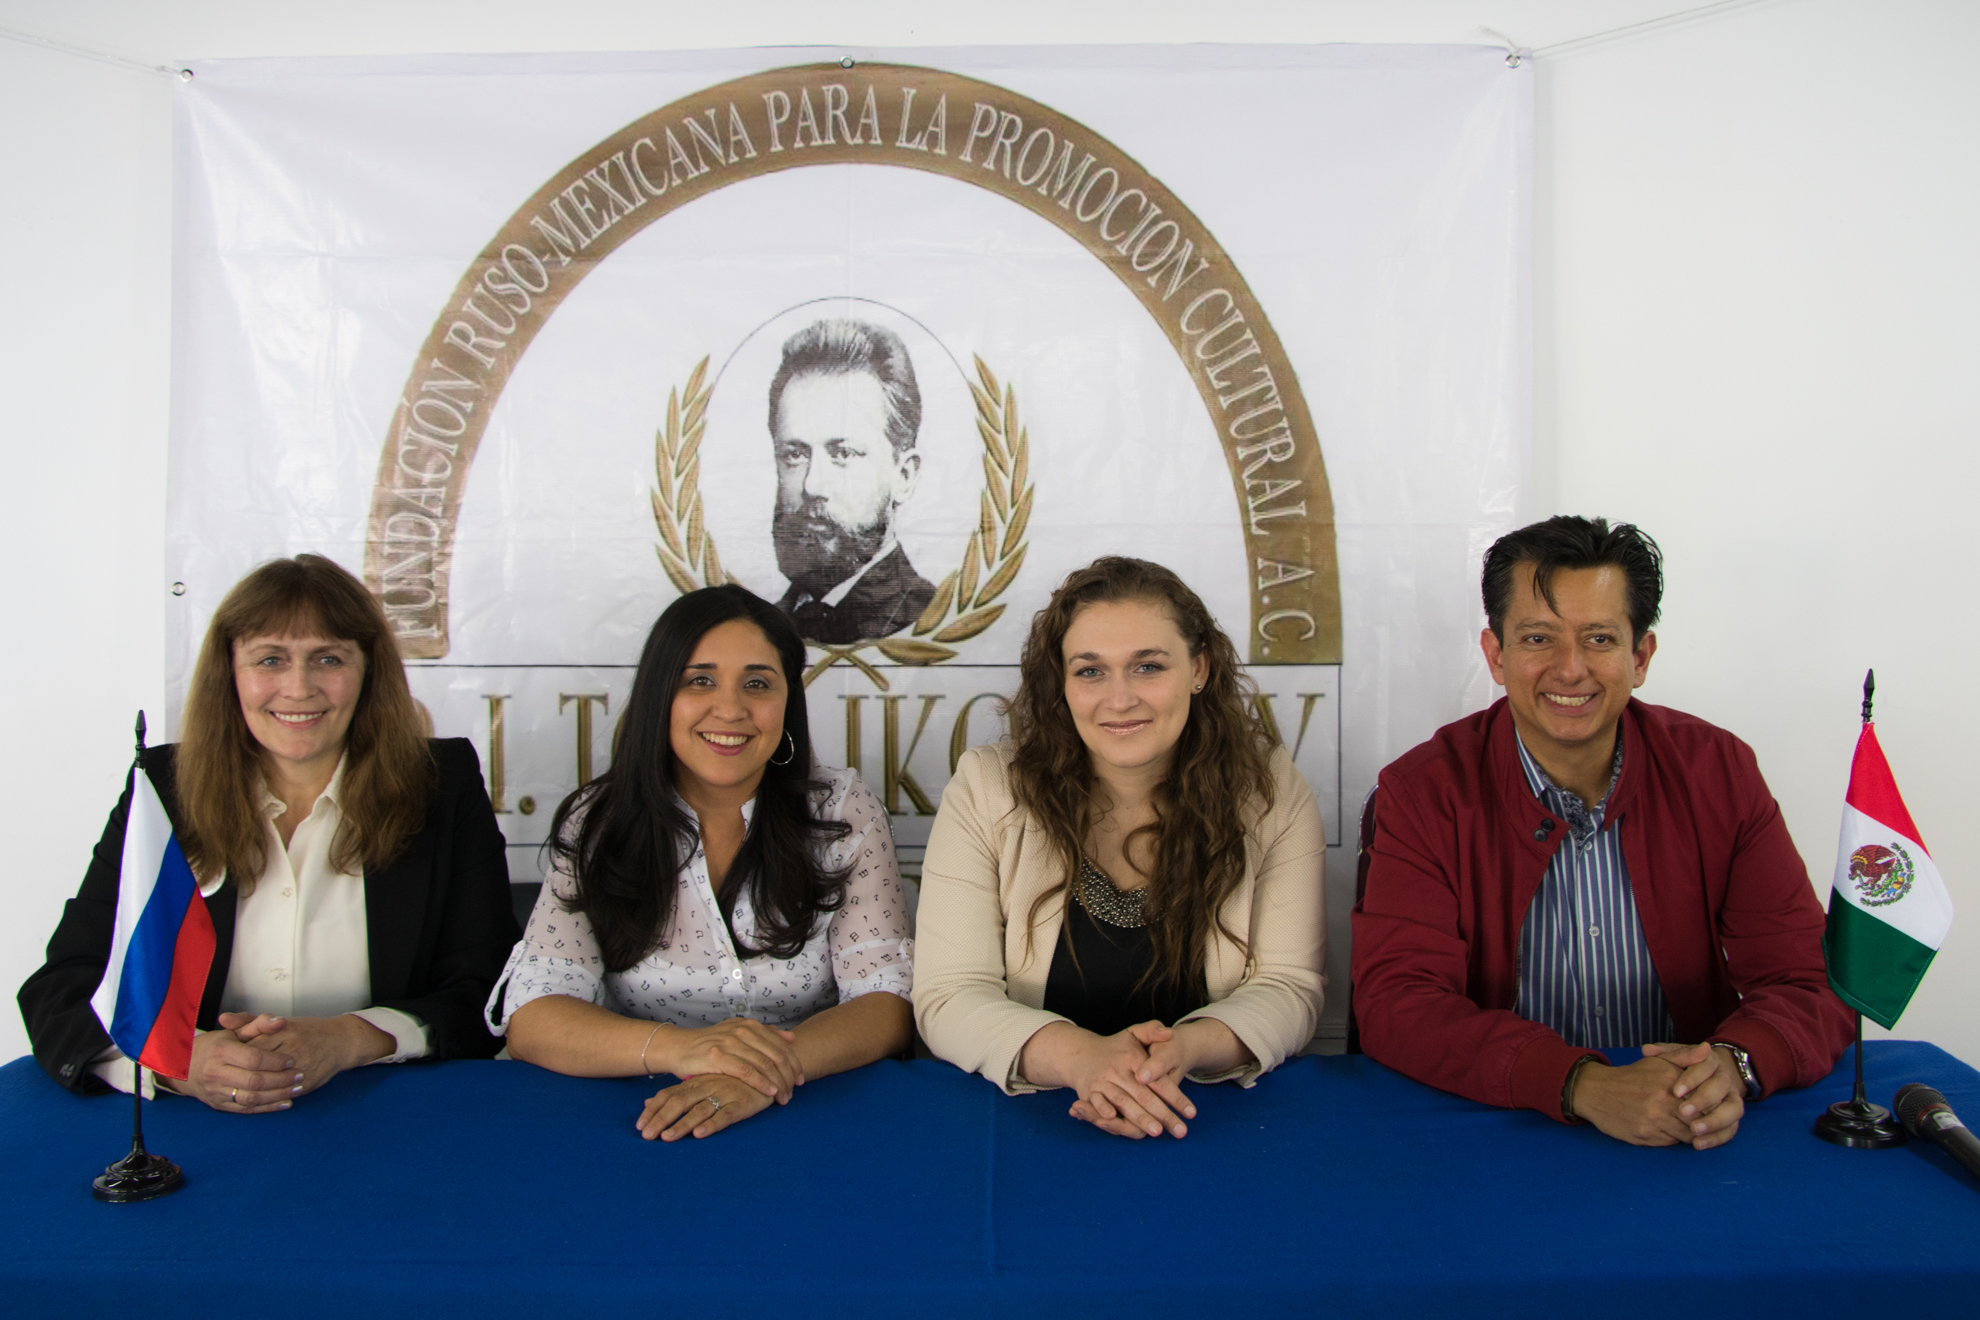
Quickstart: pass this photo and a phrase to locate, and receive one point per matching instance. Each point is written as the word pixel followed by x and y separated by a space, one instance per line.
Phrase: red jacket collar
pixel 1516 795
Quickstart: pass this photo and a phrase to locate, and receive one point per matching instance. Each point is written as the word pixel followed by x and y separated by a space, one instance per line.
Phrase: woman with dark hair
pixel 1127 891
pixel 719 906
pixel 355 877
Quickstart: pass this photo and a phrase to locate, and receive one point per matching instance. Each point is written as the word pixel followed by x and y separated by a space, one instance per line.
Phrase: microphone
pixel 1926 1115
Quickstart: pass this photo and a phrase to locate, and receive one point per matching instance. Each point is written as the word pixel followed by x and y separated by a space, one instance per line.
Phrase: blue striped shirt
pixel 1584 968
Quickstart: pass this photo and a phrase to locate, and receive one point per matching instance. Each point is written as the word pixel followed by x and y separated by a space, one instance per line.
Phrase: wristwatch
pixel 1567 1087
pixel 1744 1063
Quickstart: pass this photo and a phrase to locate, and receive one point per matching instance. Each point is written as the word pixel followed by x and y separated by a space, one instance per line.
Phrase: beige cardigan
pixel 978 991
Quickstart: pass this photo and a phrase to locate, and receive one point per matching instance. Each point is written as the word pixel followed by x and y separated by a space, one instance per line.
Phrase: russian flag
pixel 163 947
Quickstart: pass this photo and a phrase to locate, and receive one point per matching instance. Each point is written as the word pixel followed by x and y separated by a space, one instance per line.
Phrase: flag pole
pixel 140 1175
pixel 1856 1122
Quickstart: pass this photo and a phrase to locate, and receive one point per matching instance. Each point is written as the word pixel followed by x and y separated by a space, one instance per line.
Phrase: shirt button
pixel 1598 1010
pixel 1594 930
pixel 736 975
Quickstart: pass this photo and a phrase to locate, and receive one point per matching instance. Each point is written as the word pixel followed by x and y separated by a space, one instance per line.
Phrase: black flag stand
pixel 140 1175
pixel 1856 1122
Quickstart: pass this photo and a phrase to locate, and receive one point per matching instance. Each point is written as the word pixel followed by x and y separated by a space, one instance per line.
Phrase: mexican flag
pixel 1889 910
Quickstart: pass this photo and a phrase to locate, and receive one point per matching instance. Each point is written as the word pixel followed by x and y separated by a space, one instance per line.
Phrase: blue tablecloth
pixel 1335 1187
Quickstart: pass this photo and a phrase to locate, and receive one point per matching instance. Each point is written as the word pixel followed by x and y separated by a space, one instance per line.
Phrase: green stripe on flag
pixel 1873 967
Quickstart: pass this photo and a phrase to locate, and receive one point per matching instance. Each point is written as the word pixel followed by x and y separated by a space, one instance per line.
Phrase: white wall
pixel 1755 279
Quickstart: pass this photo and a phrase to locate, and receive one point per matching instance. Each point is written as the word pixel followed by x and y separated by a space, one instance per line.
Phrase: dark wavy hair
pixel 1570 542
pixel 842 347
pixel 388 765
pixel 1219 778
pixel 632 839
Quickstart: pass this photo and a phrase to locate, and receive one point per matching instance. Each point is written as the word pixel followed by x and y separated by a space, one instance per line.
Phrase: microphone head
pixel 1913 1101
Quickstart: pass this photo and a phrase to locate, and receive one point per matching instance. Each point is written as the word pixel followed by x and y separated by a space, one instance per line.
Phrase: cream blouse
pixel 301 947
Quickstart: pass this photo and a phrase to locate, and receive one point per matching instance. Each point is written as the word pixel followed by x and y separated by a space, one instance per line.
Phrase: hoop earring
pixel 793 752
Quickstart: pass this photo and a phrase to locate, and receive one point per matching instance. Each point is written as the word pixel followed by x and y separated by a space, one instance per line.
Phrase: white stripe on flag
pixel 147 831
pixel 1925 912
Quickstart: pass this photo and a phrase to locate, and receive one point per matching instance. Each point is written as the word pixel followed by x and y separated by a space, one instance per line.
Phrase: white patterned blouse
pixel 696 978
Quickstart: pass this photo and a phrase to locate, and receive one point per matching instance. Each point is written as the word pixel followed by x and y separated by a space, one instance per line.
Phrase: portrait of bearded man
pixel 845 412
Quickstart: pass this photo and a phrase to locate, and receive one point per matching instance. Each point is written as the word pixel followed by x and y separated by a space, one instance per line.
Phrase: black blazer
pixel 438 921
pixel 890 597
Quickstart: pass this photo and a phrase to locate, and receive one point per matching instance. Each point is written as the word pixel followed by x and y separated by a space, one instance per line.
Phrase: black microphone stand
pixel 1856 1122
pixel 140 1175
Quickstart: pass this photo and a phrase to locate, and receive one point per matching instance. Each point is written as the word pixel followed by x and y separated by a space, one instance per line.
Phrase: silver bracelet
pixel 642 1051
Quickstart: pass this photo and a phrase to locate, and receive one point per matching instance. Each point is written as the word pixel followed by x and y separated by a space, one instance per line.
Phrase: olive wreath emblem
pixel 686 549
pixel 965 604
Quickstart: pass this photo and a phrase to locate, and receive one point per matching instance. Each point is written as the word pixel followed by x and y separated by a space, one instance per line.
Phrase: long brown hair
pixel 1219 778
pixel 388 766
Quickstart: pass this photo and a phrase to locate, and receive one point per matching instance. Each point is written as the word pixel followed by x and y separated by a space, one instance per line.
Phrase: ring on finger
pixel 713 1101
pixel 234 1094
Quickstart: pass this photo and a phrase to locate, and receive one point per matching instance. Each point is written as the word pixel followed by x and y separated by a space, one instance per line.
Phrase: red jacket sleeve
pixel 1770 925
pixel 1411 964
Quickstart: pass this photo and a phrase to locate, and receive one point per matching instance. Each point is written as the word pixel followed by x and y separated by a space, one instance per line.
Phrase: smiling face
pixel 1129 678
pixel 728 714
pixel 838 478
pixel 1568 669
pixel 298 695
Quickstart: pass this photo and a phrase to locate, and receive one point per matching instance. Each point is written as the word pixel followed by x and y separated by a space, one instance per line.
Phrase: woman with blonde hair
pixel 352 868
pixel 1127 891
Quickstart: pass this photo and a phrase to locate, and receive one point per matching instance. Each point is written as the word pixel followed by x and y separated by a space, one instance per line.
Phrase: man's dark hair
pixel 1570 542
pixel 841 347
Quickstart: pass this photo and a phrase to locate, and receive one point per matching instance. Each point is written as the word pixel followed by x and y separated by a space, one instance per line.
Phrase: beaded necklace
pixel 1104 901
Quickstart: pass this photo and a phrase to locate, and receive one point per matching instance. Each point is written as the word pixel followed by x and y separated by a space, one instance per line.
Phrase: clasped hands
pixel 1129 1083
pixel 1675 1093
pixel 259 1063
pixel 729 1072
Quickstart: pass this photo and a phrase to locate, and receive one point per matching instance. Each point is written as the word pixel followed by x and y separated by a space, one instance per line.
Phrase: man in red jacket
pixel 1574 870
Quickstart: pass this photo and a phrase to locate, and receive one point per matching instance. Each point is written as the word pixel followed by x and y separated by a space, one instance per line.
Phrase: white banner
pixel 537 343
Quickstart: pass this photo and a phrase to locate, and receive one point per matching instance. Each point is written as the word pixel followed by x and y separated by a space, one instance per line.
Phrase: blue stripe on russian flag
pixel 147 970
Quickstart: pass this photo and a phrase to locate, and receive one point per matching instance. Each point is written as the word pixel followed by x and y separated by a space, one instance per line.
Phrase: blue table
pixel 1335 1187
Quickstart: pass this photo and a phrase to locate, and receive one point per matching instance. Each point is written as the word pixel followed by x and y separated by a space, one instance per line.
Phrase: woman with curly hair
pixel 1127 891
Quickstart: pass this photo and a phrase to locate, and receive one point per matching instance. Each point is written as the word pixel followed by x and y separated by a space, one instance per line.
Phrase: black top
pixel 438 923
pixel 1104 992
